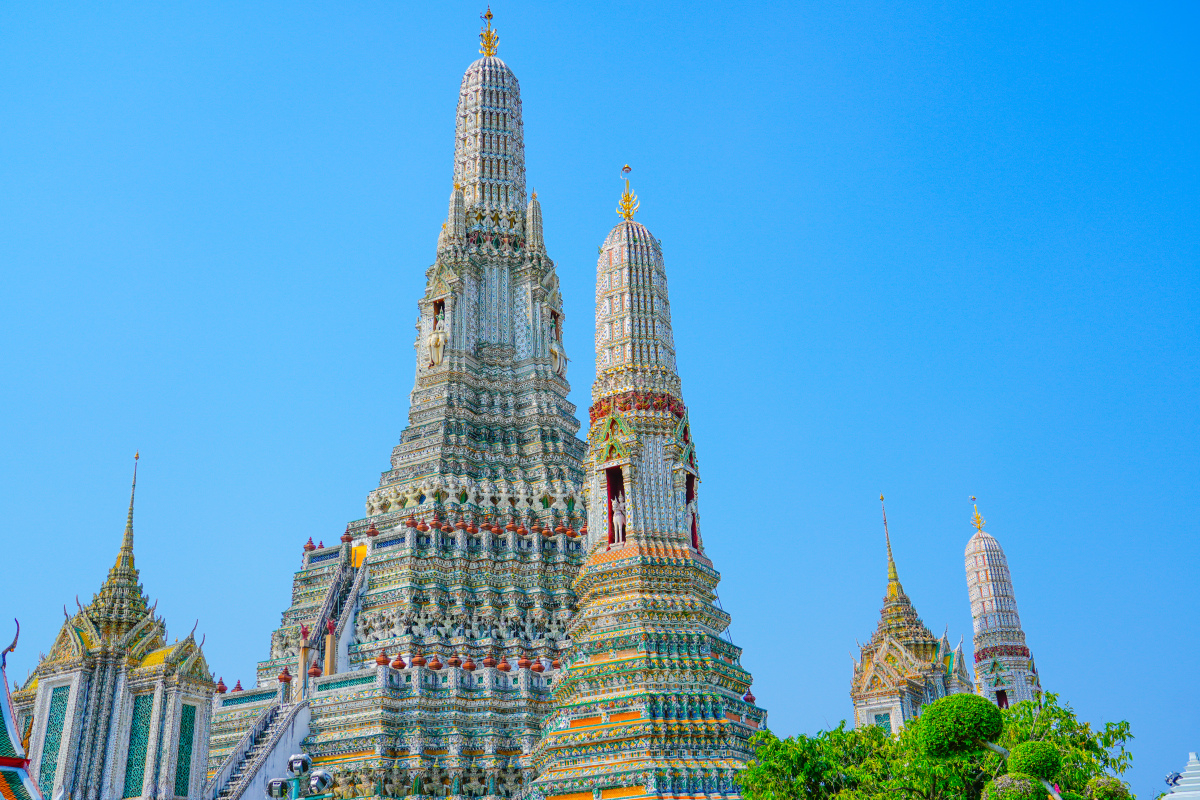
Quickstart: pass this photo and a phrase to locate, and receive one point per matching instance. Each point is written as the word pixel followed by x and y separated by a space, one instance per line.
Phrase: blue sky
pixel 929 249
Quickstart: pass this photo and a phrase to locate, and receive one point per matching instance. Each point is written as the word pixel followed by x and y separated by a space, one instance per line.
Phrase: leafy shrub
pixel 1072 796
pixel 1039 759
pixel 1014 786
pixel 959 724
pixel 1105 787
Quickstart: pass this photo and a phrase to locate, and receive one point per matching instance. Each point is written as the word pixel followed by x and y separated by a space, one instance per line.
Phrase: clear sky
pixel 927 249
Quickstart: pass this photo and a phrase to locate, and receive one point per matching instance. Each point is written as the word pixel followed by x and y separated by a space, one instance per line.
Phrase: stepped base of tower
pixel 472 624
pixel 651 699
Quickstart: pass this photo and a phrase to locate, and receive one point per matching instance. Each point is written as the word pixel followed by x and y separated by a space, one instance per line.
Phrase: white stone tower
pixel 653 703
pixel 1004 669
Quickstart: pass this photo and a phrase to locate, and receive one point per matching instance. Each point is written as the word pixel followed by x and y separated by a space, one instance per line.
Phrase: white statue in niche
pixel 618 517
pixel 558 360
pixel 558 357
pixel 437 339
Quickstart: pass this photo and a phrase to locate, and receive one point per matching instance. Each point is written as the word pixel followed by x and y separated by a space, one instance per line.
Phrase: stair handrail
pixel 336 587
pixel 348 607
pixel 253 767
pixel 214 785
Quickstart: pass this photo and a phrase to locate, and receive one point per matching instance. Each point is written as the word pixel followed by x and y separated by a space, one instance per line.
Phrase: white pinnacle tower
pixel 1004 669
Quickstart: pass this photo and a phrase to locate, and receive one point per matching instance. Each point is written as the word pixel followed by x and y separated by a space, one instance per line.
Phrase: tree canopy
pixel 870 764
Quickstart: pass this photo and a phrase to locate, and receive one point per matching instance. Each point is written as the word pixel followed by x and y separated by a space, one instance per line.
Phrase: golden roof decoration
pixel 489 40
pixel 629 203
pixel 977 520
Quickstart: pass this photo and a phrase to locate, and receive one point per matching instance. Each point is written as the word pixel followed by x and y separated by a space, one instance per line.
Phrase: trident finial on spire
pixel 489 40
pixel 629 203
pixel 978 520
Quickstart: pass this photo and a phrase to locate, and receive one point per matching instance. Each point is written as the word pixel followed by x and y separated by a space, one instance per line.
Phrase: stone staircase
pixel 246 768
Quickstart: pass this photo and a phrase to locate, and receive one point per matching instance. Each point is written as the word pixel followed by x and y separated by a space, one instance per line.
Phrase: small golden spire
pixel 978 520
pixel 488 38
pixel 629 203
pixel 894 589
pixel 125 554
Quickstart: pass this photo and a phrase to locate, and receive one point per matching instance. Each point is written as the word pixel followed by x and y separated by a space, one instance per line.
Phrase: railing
pixel 280 728
pixel 349 610
pixel 336 587
pixel 238 754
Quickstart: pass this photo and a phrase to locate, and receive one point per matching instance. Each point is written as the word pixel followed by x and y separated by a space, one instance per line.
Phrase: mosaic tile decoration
pixel 884 721
pixel 55 718
pixel 12 787
pixel 7 750
pixel 328 687
pixel 139 740
pixel 257 697
pixel 183 761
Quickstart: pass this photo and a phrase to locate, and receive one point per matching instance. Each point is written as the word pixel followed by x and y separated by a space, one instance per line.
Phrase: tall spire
pixel 125 554
pixel 894 588
pixel 120 604
pixel 1004 668
pixel 489 145
pixel 647 583
pixel 635 348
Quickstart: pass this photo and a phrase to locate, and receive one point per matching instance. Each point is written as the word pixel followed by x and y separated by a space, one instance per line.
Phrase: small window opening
pixel 693 525
pixel 1002 698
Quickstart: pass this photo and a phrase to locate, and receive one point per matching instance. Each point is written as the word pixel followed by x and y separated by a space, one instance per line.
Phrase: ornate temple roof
pixel 898 618
pixel 120 605
pixel 15 783
pixel 119 620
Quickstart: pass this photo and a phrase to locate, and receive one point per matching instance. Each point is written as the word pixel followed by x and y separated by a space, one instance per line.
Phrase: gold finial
pixel 629 203
pixel 534 195
pixel 488 38
pixel 978 520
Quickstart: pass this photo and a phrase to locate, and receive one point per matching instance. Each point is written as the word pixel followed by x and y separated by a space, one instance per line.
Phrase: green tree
pixel 814 767
pixel 869 764
pixel 1086 752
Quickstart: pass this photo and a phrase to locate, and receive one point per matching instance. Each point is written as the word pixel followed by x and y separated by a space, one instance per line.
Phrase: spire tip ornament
pixel 629 203
pixel 489 40
pixel 977 520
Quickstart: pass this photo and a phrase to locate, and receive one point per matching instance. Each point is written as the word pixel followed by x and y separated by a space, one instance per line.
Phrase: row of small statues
pixel 396 783
pixel 384 624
